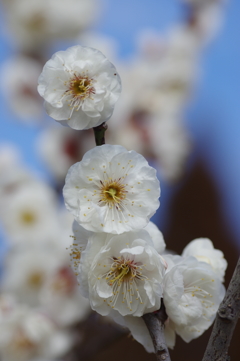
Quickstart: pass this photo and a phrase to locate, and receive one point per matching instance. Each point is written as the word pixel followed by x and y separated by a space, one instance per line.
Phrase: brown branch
pixel 225 323
pixel 155 324
pixel 99 133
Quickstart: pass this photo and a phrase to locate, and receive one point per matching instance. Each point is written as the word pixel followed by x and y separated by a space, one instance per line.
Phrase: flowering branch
pixel 225 323
pixel 99 133
pixel 155 324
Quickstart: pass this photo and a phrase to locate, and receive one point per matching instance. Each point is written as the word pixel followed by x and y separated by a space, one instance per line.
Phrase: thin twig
pixel 155 324
pixel 99 133
pixel 225 323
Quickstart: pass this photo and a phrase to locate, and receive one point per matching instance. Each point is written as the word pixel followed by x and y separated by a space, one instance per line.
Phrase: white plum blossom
pixel 80 87
pixel 204 251
pixel 122 273
pixel 192 295
pixel 31 335
pixel 112 190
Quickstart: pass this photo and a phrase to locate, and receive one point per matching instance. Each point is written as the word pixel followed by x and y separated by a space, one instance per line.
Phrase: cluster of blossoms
pixel 34 25
pixel 119 257
pixel 150 122
pixel 117 254
pixel 39 296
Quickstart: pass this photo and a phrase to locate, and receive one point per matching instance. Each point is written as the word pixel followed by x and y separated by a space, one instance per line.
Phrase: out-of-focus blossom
pixel 208 20
pixel 65 145
pixel 171 145
pixel 9 157
pixel 61 298
pixel 203 250
pixel 27 270
pixel 46 282
pixel 151 44
pixel 80 87
pixel 112 190
pixel 122 273
pixel 30 213
pixel 12 179
pixel 31 335
pixel 19 86
pixel 150 121
pixel 7 304
pixel 34 24
pixel 107 45
pixel 12 173
pixel 205 18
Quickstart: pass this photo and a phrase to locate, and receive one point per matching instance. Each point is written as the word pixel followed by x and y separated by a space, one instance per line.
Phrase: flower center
pixel 80 87
pixel 123 270
pixel 21 346
pixel 36 23
pixel 122 273
pixel 23 342
pixel 36 279
pixel 124 276
pixel 28 217
pixel 113 192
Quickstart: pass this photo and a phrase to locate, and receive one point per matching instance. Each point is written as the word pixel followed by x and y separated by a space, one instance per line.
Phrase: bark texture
pixel 155 324
pixel 225 323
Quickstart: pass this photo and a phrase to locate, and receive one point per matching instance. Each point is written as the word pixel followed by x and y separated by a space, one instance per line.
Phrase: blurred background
pixel 180 67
